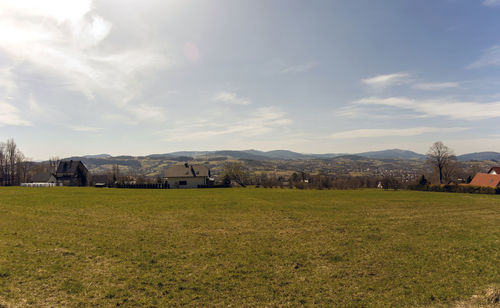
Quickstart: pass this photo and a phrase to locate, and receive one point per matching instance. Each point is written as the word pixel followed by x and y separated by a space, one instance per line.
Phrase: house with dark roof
pixel 486 179
pixel 44 177
pixel 188 176
pixel 72 173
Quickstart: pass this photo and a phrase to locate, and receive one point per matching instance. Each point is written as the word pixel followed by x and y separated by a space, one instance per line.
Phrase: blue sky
pixel 142 77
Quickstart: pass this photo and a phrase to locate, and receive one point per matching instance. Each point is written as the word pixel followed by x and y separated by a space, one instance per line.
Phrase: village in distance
pixel 390 169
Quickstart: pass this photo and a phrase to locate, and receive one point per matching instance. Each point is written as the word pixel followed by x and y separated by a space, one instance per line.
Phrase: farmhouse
pixel 72 173
pixel 490 179
pixel 188 176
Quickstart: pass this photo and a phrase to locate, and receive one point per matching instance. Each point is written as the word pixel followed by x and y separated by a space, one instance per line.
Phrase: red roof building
pixel 484 179
pixel 494 170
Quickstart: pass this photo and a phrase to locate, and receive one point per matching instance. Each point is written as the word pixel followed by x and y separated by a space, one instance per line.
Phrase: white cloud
pixel 33 105
pixel 301 68
pixel 489 57
pixel 86 129
pixel 145 112
pixel 10 116
pixel 435 86
pixel 492 3
pixel 439 107
pixel 400 132
pixel 258 123
pixel 385 81
pixel 64 39
pixel 7 84
pixel 60 10
pixel 231 97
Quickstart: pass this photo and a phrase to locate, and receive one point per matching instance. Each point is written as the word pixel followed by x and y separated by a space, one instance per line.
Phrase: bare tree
pixel 237 172
pixel 3 164
pixel 442 159
pixel 12 164
pixel 53 164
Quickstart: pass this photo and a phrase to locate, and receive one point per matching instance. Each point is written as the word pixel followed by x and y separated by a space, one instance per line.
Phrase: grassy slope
pixel 61 246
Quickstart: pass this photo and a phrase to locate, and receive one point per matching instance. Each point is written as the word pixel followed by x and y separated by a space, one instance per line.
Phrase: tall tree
pixel 441 158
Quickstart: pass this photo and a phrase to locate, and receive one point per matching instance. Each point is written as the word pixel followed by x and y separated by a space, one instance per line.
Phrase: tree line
pixel 13 165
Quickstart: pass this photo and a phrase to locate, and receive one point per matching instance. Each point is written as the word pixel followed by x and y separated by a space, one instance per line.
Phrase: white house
pixel 188 176
pixel 44 179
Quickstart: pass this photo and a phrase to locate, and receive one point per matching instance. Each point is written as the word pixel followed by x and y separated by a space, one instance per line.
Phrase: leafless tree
pixel 53 164
pixel 3 164
pixel 237 172
pixel 442 159
pixel 12 168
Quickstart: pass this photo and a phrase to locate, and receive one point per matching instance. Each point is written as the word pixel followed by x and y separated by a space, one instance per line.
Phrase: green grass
pixel 245 247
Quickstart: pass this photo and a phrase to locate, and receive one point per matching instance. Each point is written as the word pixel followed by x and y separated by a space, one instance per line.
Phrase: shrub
pixel 468 189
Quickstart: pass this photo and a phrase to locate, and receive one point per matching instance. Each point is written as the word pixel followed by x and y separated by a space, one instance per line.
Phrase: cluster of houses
pixel 74 173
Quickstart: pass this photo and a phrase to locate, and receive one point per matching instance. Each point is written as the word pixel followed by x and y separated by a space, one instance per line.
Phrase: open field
pixel 245 247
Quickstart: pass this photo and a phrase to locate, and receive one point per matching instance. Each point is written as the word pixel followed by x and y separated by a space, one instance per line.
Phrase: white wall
pixel 191 182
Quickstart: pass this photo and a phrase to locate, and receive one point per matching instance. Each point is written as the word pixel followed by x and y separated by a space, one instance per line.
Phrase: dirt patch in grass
pixel 490 297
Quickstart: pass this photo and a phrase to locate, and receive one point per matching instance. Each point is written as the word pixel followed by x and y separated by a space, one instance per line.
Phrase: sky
pixel 128 77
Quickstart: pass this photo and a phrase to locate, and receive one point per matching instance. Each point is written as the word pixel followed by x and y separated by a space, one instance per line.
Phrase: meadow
pixel 247 247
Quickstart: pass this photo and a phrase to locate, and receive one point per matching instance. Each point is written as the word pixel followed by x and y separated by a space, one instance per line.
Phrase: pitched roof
pixel 495 169
pixel 68 166
pixel 483 179
pixel 183 171
pixel 42 177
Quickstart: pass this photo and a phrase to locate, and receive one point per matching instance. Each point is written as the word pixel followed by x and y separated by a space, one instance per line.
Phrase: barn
pixel 72 173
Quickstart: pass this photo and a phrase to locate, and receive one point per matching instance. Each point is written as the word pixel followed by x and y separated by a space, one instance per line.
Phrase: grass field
pixel 246 247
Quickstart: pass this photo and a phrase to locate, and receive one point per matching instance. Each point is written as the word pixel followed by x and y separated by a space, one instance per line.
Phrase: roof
pixel 495 169
pixel 483 179
pixel 42 177
pixel 68 166
pixel 187 171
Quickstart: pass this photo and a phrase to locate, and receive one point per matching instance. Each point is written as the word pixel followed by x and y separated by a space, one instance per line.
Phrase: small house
pixel 72 173
pixel 188 176
pixel 44 178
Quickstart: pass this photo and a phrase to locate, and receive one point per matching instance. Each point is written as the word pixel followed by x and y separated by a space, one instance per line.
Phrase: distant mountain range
pixel 290 155
pixel 494 156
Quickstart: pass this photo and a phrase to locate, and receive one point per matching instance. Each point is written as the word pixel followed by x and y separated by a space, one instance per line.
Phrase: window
pixel 182 182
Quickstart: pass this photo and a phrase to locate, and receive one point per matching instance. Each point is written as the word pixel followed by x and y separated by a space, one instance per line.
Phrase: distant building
pixel 486 179
pixel 494 170
pixel 43 179
pixel 72 173
pixel 188 176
